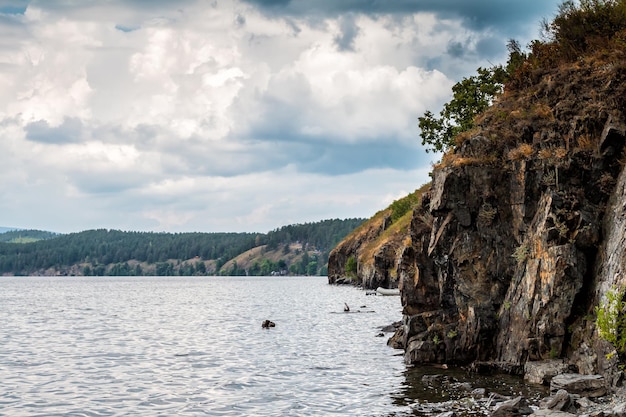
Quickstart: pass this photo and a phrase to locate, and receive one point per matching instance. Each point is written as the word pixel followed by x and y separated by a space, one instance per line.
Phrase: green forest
pixel 300 249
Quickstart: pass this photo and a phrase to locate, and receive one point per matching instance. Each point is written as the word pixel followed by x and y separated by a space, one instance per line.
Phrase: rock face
pixel 521 233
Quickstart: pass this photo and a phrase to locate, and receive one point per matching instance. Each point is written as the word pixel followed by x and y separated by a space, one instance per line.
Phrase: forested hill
pixel 294 249
pixel 24 236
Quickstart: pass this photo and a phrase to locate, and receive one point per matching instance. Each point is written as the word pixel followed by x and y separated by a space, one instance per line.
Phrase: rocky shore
pixel 570 394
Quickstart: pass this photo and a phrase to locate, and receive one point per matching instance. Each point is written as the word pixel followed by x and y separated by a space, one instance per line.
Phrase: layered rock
pixel 511 260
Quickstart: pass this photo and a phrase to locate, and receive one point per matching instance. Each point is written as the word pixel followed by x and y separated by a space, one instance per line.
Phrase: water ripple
pixel 193 347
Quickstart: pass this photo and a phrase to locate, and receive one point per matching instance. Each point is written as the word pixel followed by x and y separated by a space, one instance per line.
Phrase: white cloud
pixel 213 115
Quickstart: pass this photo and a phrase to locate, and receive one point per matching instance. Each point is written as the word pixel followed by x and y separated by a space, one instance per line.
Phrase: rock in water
pixel 267 324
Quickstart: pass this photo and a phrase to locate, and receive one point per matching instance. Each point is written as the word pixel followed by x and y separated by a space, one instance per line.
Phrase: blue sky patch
pixel 125 28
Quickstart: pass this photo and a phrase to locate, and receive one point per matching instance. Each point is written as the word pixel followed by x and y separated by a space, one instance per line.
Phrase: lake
pixel 194 346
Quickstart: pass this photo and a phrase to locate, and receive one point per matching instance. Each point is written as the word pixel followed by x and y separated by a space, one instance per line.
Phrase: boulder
pixel 584 385
pixel 560 401
pixel 478 392
pixel 542 372
pixel 619 410
pixel 514 407
pixel 390 328
pixel 434 379
pixel 397 341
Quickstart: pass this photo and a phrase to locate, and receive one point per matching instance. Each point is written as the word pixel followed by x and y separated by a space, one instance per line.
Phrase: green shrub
pixel 351 266
pixel 521 253
pixel 401 206
pixel 611 320
pixel 470 97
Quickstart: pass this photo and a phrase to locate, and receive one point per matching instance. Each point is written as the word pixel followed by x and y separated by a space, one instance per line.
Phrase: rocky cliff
pixel 375 248
pixel 522 232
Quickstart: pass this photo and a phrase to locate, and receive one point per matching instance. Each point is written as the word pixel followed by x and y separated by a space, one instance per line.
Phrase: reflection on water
pixel 195 347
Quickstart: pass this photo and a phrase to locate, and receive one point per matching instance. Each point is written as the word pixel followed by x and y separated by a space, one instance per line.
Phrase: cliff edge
pixel 521 236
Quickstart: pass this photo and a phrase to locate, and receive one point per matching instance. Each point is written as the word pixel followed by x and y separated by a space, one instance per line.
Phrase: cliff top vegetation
pixel 586 39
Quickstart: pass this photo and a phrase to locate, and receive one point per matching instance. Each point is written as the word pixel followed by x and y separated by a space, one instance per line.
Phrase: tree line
pixel 115 252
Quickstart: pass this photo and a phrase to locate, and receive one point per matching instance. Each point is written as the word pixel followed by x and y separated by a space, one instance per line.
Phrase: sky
pixel 229 115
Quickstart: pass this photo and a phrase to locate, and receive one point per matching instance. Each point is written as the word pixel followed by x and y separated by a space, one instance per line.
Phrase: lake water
pixel 109 346
pixel 163 346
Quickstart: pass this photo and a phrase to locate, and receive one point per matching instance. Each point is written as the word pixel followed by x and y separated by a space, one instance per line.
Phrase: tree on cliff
pixel 470 97
pixel 580 26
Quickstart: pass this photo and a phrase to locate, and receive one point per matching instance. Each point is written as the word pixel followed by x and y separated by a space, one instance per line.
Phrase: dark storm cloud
pixel 456 49
pixel 349 31
pixel 343 158
pixel 332 156
pixel 68 132
pixel 477 14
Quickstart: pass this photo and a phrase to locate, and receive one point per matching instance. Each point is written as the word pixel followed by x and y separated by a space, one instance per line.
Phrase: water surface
pixel 109 346
pixel 194 346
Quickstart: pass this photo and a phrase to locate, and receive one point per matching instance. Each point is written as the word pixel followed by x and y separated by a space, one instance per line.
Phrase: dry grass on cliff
pixel 457 161
pixel 563 113
pixel 372 228
pixel 393 236
pixel 396 235
pixel 559 92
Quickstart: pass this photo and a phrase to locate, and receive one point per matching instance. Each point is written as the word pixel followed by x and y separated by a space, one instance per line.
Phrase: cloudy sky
pixel 229 115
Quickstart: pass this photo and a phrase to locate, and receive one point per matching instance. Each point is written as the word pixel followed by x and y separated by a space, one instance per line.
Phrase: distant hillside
pixel 6 229
pixel 25 236
pixel 300 249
